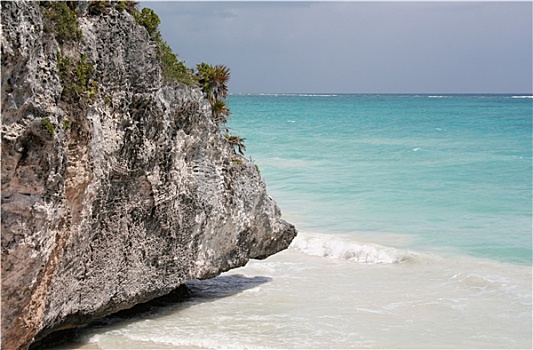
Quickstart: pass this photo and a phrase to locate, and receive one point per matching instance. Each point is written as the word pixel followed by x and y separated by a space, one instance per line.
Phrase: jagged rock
pixel 112 202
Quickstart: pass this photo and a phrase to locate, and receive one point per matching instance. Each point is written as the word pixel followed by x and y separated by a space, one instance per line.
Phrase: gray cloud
pixel 357 46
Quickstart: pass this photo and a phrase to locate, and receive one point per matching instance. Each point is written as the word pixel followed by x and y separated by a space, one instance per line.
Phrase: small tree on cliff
pixel 213 80
pixel 220 111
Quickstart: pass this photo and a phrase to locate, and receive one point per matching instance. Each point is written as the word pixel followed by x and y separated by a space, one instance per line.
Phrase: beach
pixel 414 218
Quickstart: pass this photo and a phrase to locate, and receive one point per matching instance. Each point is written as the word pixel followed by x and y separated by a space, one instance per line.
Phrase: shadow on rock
pixel 223 286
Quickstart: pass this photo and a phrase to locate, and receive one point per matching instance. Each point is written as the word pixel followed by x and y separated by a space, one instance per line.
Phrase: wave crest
pixel 335 247
pixel 344 248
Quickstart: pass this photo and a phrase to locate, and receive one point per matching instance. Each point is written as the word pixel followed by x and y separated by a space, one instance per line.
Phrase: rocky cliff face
pixel 120 194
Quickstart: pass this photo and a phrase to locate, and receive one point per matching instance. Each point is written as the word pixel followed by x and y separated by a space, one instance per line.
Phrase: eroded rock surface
pixel 114 201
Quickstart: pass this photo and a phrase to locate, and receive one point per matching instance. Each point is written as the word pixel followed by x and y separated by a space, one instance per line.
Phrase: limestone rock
pixel 116 199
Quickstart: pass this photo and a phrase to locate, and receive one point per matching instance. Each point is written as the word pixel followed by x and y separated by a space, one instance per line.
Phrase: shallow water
pixel 298 300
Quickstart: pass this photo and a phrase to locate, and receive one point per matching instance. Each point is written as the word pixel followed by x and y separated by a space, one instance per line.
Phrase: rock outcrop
pixel 120 195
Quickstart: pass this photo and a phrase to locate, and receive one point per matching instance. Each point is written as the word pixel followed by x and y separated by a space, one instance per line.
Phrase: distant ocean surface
pixel 415 221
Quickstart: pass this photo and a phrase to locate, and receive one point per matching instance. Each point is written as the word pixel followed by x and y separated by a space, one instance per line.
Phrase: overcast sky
pixel 357 47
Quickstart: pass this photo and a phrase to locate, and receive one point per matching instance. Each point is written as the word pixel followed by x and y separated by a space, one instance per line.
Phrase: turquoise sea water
pixel 414 218
pixel 451 171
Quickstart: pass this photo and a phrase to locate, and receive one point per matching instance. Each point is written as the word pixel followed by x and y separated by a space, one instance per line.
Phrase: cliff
pixel 116 186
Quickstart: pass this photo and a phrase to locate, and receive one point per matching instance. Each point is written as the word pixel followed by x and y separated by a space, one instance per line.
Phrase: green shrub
pixel 121 6
pixel 97 7
pixel 150 20
pixel 66 124
pixel 83 72
pixel 64 65
pixel 236 160
pixel 92 90
pixel 128 5
pixel 61 20
pixel 173 69
pixel 76 78
pixel 48 126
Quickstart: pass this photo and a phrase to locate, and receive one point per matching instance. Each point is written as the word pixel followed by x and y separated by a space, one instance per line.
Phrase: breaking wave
pixel 345 248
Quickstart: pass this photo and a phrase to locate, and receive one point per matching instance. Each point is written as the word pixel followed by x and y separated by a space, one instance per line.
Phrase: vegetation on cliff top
pixel 213 80
pixel 173 68
pixel 76 73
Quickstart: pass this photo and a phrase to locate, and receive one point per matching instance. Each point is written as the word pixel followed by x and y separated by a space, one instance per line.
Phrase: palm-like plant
pixel 220 111
pixel 213 80
pixel 203 70
pixel 221 76
pixel 236 141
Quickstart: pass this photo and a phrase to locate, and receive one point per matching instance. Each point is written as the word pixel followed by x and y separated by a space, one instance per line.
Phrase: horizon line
pixel 384 93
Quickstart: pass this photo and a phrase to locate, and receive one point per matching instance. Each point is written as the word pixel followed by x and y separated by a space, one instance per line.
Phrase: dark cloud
pixel 357 46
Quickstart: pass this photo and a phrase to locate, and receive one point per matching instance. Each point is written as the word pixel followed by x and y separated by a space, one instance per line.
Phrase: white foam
pixel 526 96
pixel 316 95
pixel 344 248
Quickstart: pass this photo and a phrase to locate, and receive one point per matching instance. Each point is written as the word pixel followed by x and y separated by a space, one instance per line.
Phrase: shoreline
pixel 386 294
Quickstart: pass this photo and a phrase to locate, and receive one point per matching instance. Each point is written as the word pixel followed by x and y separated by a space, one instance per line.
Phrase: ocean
pixel 415 230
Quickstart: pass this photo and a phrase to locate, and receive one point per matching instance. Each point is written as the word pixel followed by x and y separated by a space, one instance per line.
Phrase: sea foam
pixel 345 248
